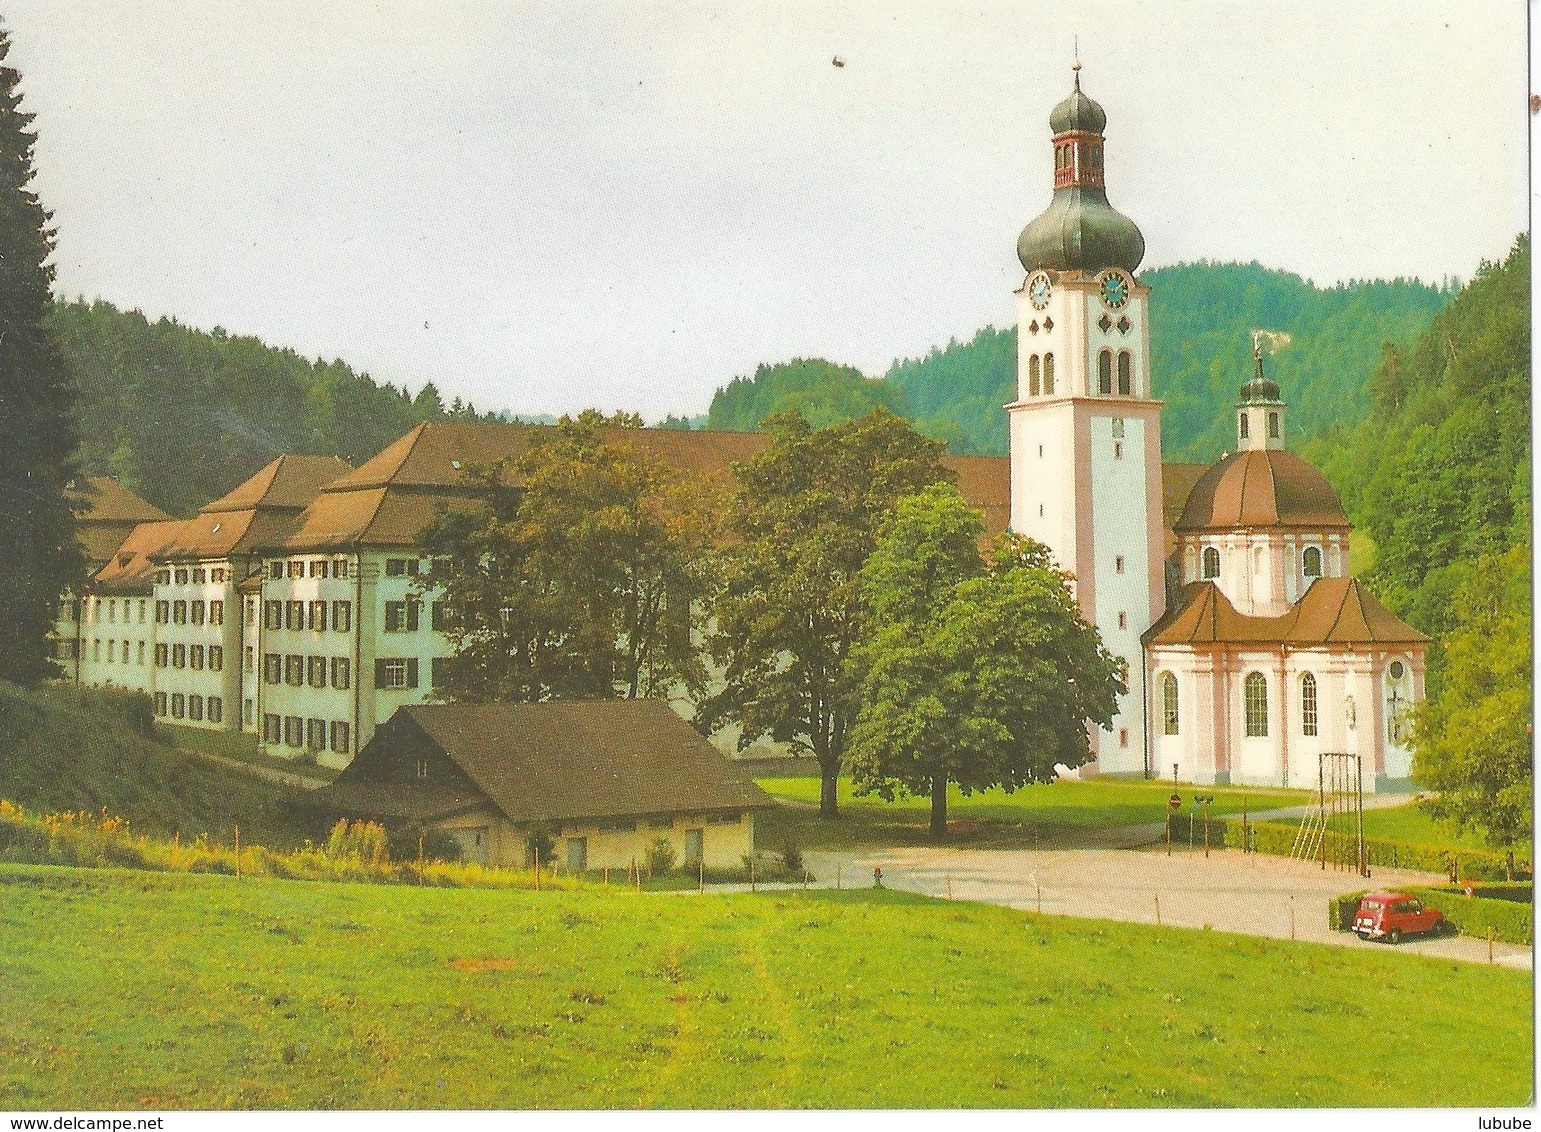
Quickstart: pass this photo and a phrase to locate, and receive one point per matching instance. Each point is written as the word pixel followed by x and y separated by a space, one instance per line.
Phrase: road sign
pixel 1175 801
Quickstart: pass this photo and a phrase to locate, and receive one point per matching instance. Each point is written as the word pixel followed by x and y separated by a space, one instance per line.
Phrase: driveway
pixel 1251 893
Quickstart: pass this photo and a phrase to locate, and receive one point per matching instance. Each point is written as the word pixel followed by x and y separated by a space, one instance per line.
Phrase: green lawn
pixel 1022 818
pixel 126 990
pixel 1409 825
pixel 240 747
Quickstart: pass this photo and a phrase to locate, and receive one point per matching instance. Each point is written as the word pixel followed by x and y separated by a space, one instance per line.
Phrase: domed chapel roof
pixel 1262 488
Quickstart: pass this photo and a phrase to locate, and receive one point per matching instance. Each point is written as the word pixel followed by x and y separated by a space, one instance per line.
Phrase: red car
pixel 1391 915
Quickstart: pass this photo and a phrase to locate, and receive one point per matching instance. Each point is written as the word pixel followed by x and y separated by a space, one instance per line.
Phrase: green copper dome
pixel 1080 230
pixel 1078 113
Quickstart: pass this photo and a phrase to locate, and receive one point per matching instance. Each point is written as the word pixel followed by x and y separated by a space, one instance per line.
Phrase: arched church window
pixel 1125 372
pixel 1396 702
pixel 1312 560
pixel 1308 704
pixel 1048 375
pixel 1259 561
pixel 1211 562
pixel 1273 426
pixel 1257 705
pixel 1032 376
pixel 1245 432
pixel 1168 704
pixel 1105 372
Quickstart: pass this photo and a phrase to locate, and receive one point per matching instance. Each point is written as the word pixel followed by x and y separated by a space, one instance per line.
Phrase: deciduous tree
pixel 791 605
pixel 977 675
pixel 575 571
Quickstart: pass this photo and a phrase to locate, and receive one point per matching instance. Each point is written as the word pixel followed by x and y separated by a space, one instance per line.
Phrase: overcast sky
pixel 545 206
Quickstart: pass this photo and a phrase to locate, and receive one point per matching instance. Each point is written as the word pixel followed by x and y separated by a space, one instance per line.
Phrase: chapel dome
pixel 1262 488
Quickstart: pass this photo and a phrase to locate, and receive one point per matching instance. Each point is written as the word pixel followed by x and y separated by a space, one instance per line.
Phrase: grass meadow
pixel 122 990
pixel 1024 818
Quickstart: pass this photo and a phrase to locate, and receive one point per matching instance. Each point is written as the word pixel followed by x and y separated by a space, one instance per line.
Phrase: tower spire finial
pixel 1075 64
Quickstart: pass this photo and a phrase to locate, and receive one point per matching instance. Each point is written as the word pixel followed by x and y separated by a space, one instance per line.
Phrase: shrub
pixel 358 841
pixel 792 857
pixel 1341 909
pixel 660 857
pixel 1511 921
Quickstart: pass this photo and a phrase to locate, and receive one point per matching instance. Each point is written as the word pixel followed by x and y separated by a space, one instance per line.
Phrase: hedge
pixel 1511 921
pixel 1278 840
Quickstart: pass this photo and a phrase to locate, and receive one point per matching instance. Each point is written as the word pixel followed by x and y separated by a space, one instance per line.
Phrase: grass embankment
pixel 69 748
pixel 1027 817
pixel 240 746
pixel 1410 825
pixel 199 991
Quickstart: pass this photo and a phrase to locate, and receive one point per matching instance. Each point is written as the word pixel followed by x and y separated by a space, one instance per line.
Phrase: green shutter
pixel 379 674
pixel 412 672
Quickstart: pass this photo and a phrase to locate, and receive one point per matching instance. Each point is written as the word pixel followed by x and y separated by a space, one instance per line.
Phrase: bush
pixel 1278 840
pixel 360 841
pixel 792 857
pixel 1341 909
pixel 660 857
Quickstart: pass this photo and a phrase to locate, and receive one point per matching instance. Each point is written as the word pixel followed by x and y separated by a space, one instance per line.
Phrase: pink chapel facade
pixel 1250 650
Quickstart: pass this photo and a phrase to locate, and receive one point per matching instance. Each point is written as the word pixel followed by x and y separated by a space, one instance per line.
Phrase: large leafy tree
pixel 791 606
pixel 37 429
pixel 976 675
pixel 577 570
pixel 1473 744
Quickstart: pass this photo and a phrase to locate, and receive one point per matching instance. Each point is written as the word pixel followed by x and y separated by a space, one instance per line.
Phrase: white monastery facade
pixel 292 608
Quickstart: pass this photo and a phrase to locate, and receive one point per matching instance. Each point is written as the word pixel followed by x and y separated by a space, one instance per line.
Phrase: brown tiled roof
pixel 1332 611
pixel 107 512
pixel 104 500
pixel 389 499
pixel 1262 489
pixel 262 511
pixel 131 569
pixel 551 762
pixel 287 482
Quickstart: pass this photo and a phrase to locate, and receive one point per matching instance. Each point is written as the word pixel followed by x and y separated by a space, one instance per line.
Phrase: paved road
pixel 1253 894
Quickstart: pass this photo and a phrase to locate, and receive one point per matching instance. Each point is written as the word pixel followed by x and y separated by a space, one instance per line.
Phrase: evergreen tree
pixel 37 426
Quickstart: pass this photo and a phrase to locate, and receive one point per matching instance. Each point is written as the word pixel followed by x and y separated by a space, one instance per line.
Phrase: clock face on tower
pixel 1039 290
pixel 1114 286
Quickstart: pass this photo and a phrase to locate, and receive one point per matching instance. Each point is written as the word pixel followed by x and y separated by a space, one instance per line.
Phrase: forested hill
pixel 1202 316
pixel 182 415
pixel 1438 469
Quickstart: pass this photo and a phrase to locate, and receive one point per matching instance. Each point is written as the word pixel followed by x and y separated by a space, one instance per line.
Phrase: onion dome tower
pixel 1079 230
pixel 1260 412
pixel 1085 427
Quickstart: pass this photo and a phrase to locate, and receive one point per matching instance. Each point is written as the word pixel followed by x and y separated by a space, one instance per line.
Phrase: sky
pixel 549 206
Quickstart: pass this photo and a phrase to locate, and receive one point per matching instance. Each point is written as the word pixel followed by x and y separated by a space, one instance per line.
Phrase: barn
pixel 598 781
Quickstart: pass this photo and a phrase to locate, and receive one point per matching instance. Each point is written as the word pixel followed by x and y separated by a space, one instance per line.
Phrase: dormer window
pixel 1273 426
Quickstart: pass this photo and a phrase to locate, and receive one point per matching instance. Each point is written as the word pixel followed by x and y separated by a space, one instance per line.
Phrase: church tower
pixel 1085 430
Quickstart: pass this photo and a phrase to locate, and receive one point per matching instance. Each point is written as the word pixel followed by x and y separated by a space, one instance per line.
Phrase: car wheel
pixel 1394 936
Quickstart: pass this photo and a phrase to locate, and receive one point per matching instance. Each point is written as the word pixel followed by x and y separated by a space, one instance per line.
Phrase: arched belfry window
pixel 1125 372
pixel 1048 374
pixel 1169 718
pixel 1211 562
pixel 1259 561
pixel 1105 372
pixel 1308 704
pixel 1312 562
pixel 1244 431
pixel 1032 376
pixel 1257 705
pixel 1273 426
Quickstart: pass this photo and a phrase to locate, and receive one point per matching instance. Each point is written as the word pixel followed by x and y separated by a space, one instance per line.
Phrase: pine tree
pixel 37 429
